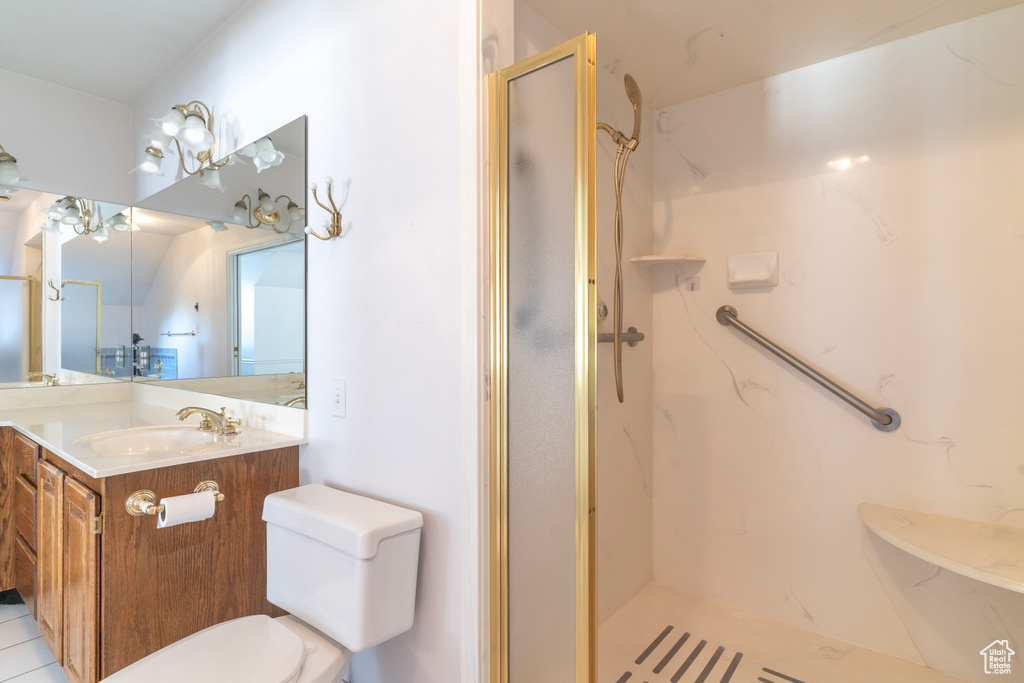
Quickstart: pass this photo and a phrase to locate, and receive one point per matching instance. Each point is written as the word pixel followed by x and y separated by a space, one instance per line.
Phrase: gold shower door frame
pixel 583 52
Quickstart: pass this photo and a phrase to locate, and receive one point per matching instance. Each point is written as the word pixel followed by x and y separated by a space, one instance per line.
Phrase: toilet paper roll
pixel 194 507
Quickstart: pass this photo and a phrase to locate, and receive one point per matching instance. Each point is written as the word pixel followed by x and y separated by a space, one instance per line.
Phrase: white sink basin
pixel 182 439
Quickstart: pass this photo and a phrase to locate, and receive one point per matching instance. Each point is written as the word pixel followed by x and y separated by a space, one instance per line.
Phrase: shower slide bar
pixel 884 419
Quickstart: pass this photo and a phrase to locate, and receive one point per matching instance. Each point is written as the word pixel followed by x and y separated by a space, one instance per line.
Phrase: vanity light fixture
pixel 263 211
pixel 188 126
pixel 9 172
pixel 72 211
pixel 333 226
pixel 76 213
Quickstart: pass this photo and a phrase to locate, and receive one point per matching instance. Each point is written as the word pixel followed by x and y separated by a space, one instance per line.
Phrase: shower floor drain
pixel 674 657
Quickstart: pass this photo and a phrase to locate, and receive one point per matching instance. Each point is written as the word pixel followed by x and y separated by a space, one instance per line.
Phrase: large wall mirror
pixel 200 286
pixel 65 301
pixel 219 278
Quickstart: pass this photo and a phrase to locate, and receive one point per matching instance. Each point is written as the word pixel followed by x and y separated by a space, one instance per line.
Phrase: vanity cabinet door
pixel 81 584
pixel 7 533
pixel 25 574
pixel 50 558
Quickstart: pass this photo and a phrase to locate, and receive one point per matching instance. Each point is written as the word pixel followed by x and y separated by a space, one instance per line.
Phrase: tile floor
pixel 711 643
pixel 24 657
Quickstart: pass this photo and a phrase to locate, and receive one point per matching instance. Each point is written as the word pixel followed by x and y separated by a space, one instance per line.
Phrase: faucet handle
pixel 229 425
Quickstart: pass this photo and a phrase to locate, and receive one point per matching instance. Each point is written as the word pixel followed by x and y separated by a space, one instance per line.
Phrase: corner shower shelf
pixel 984 552
pixel 658 259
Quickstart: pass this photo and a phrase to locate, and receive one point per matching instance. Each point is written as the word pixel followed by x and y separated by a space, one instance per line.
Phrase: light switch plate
pixel 338 399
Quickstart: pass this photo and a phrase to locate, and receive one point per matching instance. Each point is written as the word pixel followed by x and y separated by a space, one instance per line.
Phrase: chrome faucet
pixel 51 380
pixel 225 425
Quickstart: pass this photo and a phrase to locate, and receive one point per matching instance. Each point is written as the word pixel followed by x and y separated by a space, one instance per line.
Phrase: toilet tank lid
pixel 354 524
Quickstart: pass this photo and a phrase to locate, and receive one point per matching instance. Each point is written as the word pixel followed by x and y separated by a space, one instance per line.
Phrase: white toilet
pixel 343 565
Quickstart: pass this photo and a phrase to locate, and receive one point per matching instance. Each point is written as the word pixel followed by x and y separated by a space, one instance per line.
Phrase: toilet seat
pixel 255 649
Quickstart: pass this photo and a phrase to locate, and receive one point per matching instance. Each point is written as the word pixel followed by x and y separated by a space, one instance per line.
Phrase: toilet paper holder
pixel 143 501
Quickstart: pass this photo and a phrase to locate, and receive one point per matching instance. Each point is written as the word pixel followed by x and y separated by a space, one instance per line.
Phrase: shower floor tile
pixel 711 643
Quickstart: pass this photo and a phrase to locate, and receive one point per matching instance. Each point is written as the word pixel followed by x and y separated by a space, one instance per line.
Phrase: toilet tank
pixel 342 563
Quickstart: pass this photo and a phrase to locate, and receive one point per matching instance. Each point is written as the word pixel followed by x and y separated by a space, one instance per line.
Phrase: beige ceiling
pixel 682 49
pixel 115 49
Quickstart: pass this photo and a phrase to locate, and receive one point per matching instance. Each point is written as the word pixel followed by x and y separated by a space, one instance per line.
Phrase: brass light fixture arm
pixel 247 201
pixel 86 216
pixel 334 230
pixel 269 218
pixel 290 221
pixel 6 156
pixel 205 157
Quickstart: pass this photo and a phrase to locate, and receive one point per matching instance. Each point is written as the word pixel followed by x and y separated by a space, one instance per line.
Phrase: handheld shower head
pixel 633 93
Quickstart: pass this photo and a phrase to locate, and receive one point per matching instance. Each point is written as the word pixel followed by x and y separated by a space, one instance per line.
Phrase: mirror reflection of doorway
pixel 268 298
pixel 81 329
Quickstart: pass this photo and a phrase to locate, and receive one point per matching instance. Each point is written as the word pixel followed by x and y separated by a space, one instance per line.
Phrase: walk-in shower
pixel 738 522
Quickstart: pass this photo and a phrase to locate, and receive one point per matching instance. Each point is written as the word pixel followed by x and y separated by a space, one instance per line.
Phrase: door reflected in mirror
pixel 21 263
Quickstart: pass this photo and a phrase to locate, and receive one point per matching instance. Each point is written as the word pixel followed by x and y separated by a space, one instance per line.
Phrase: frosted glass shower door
pixel 543 336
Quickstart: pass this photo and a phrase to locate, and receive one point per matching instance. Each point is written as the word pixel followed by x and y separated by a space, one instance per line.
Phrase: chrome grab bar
pixel 630 336
pixel 884 419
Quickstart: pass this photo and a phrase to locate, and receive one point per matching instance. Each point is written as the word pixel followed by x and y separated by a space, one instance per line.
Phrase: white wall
pixel 66 141
pixel 625 469
pixel 900 278
pixel 382 86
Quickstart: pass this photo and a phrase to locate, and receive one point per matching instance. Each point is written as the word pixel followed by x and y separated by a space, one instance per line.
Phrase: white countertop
pixel 57 428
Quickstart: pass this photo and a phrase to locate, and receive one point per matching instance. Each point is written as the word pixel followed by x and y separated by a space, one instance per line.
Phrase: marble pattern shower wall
pixel 625 469
pixel 900 276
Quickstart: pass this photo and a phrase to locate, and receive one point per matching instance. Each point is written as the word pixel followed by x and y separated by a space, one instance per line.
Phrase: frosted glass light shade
pixel 172 122
pixel 119 223
pixel 210 177
pixel 72 216
pixel 266 203
pixel 160 140
pixel 294 212
pixel 9 172
pixel 51 225
pixel 240 213
pixel 101 235
pixel 150 164
pixel 194 134
pixel 266 156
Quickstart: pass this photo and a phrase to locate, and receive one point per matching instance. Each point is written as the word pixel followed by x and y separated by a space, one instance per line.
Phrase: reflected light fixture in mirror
pixel 75 213
pixel 190 128
pixel 264 211
pixel 262 153
pixel 9 172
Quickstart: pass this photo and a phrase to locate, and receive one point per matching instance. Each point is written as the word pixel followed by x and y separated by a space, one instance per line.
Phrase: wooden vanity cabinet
pixel 18 457
pixel 109 588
